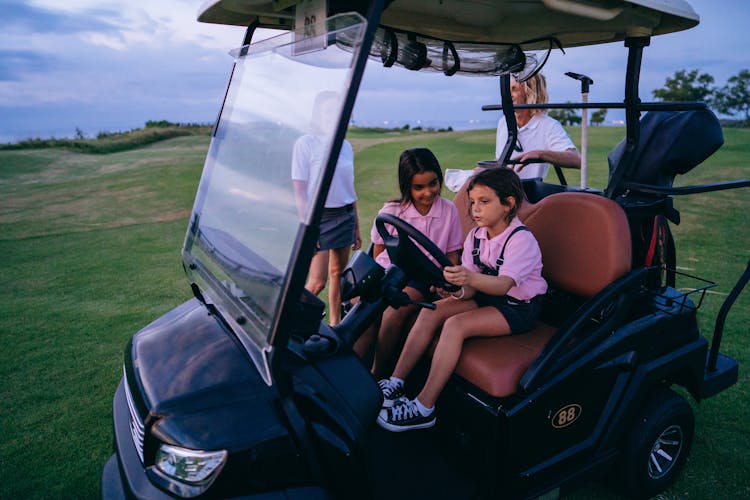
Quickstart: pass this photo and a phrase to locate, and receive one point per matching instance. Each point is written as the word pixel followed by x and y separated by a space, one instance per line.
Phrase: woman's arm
pixel 566 159
pixel 357 235
pixel 300 196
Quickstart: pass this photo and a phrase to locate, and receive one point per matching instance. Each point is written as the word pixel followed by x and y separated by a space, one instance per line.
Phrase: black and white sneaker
pixel 392 392
pixel 404 416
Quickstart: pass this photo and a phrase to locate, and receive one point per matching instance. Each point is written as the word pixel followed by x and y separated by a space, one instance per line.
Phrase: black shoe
pixel 392 392
pixel 404 416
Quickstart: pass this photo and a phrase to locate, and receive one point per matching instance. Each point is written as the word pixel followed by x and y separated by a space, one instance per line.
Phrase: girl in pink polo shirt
pixel 501 281
pixel 420 181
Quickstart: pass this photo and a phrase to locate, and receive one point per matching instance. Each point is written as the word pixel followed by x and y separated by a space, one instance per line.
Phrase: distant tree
pixel 565 116
pixel 734 97
pixel 405 127
pixel 79 133
pixel 685 86
pixel 597 117
pixel 160 124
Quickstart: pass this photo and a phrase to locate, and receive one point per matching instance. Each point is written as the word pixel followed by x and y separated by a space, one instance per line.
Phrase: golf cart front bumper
pixel 125 477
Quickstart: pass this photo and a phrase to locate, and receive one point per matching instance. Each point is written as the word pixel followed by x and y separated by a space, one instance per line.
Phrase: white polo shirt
pixel 542 133
pixel 307 162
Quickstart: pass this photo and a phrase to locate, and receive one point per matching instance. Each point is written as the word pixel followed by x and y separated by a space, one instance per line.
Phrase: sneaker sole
pixel 401 428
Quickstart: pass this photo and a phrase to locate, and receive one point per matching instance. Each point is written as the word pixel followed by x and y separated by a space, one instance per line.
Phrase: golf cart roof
pixel 572 22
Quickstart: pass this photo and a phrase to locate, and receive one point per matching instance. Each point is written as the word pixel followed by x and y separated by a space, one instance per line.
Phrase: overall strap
pixel 484 269
pixel 500 259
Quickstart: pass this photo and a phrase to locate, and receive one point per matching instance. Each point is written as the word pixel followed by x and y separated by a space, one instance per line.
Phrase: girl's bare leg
pixel 392 326
pixel 424 330
pixel 363 344
pixel 484 322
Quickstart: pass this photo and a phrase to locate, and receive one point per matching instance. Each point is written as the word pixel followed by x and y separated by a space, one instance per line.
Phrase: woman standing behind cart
pixel 540 137
pixel 339 225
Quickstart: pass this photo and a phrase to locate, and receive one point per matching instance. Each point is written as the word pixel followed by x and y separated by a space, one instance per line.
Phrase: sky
pixel 101 65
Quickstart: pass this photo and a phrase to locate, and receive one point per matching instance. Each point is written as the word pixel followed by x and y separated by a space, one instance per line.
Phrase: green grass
pixel 112 142
pixel 90 249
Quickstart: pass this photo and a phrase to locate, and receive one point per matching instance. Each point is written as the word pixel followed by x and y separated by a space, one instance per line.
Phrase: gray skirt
pixel 337 228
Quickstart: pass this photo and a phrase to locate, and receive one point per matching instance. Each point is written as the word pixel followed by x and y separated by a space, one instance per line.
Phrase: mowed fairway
pixel 90 249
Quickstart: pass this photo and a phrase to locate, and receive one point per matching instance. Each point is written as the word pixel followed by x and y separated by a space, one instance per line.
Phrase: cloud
pixel 15 63
pixel 24 18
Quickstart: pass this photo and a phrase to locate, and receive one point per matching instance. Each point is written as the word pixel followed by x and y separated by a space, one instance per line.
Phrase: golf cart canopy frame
pixel 572 22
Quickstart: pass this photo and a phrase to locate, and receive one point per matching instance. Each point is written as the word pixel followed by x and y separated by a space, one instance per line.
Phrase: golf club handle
pixel 585 81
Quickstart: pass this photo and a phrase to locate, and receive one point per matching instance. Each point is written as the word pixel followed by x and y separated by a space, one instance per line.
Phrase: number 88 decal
pixel 566 416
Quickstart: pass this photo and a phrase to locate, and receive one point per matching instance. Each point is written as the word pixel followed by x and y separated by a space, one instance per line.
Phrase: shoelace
pixel 387 387
pixel 405 411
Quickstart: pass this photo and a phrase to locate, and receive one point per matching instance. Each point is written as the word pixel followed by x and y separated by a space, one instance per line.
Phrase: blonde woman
pixel 539 136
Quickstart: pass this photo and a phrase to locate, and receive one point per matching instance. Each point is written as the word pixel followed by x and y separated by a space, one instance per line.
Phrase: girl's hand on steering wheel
pixel 457 275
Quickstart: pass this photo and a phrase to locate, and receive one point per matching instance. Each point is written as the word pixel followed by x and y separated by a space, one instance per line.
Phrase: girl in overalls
pixel 501 281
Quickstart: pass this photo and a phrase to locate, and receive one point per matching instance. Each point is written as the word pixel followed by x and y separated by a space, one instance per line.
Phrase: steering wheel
pixel 405 254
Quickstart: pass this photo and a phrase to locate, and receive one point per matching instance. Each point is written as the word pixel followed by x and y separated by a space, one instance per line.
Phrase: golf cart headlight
pixel 189 466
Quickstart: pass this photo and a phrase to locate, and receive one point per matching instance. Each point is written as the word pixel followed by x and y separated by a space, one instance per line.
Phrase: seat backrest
pixel 584 239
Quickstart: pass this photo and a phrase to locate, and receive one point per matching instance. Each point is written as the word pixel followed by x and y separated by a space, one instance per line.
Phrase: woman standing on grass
pixel 339 226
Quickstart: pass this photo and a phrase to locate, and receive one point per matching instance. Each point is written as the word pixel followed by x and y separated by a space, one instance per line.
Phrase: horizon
pixel 98 66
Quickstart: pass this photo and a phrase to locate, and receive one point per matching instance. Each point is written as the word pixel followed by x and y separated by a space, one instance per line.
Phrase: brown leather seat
pixel 585 243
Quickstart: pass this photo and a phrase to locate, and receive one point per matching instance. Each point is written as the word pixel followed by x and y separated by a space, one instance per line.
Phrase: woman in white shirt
pixel 339 225
pixel 539 136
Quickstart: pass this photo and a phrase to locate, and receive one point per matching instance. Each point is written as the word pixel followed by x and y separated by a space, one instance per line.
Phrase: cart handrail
pixel 643 106
pixel 540 366
pixel 721 317
pixel 685 190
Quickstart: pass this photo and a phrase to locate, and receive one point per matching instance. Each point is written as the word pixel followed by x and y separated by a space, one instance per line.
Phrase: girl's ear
pixel 512 201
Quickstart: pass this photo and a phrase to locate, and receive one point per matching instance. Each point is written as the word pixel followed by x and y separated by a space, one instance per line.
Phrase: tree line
pixel 732 99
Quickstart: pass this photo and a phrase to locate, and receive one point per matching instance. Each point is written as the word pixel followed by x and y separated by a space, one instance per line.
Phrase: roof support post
pixel 622 171
pixel 510 118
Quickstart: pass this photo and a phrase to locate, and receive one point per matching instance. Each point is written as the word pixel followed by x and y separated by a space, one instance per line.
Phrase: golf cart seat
pixel 585 244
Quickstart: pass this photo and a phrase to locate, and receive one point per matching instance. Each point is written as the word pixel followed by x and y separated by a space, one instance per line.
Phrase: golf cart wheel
pixel 658 445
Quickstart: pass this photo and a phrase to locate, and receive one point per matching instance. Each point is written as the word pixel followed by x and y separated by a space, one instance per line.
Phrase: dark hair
pixel 412 162
pixel 504 182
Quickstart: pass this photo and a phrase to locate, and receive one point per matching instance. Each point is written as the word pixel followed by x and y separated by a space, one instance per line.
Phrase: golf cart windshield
pixel 248 216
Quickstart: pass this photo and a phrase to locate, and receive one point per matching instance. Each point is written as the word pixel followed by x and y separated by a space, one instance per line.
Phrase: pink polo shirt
pixel 522 259
pixel 441 225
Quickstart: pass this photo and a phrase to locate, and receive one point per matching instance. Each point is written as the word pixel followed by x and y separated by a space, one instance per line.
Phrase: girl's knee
pixel 428 320
pixel 454 329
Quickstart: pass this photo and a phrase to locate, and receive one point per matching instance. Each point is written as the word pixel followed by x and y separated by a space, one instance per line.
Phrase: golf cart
pixel 243 391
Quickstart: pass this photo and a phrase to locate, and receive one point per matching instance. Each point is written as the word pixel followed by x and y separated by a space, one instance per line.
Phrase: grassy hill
pixel 90 247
